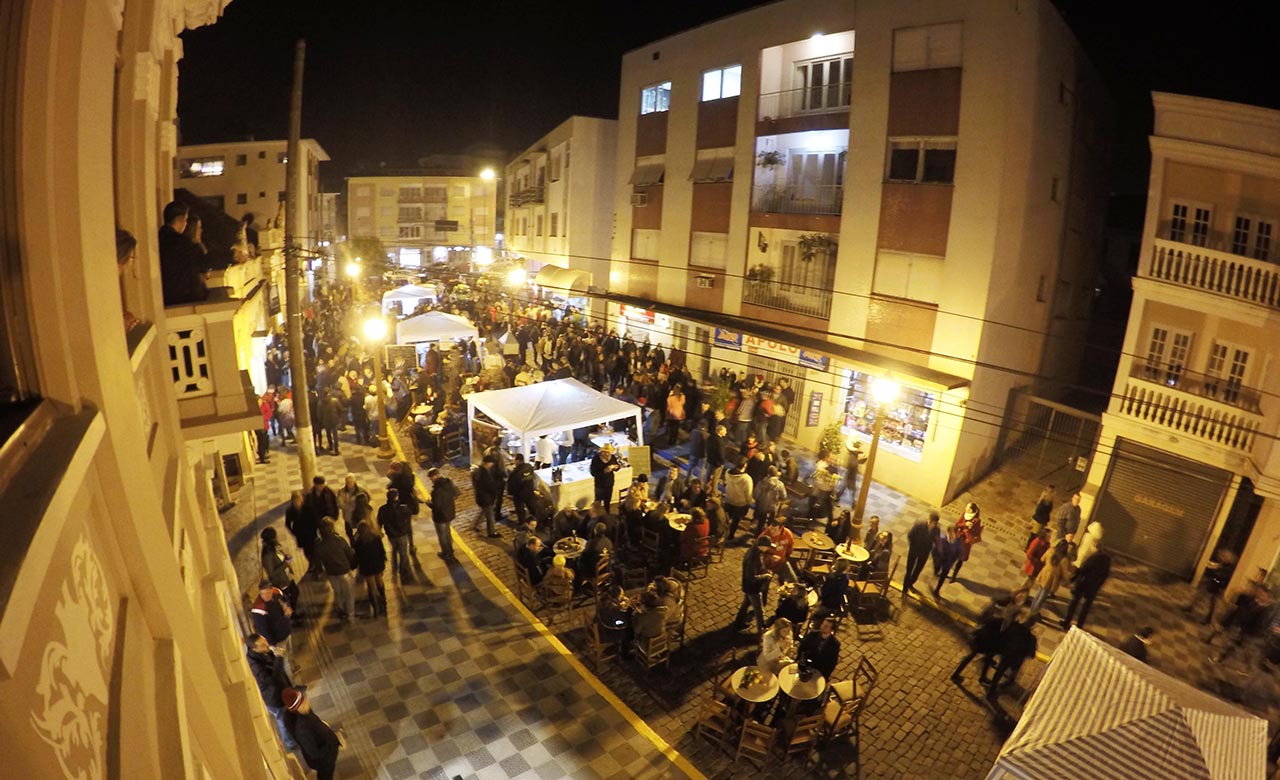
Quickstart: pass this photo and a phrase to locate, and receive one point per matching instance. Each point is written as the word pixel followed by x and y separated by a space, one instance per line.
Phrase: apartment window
pixel 1054 193
pixel 262 155
pixel 1251 237
pixel 813 274
pixel 410 214
pixel 566 154
pixel 435 194
pixel 280 196
pixel 1262 240
pixel 922 48
pixel 814 174
pixel 917 160
pixel 242 159
pixel 459 191
pixel 1225 374
pixel 722 83
pixel 539 223
pixel 384 212
pixel 242 198
pixel 386 232
pixel 656 98
pixel 363 212
pixel 555 167
pixel 262 194
pixel 410 231
pixel 410 194
pixel 201 167
pixel 709 250
pixel 555 223
pixel 1167 354
pixel 364 191
pixel 282 158
pixel 644 244
pixel 910 276
pixel 823 84
pixel 1189 223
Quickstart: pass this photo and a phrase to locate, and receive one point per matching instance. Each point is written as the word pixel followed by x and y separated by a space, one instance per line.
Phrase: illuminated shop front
pixel 906 424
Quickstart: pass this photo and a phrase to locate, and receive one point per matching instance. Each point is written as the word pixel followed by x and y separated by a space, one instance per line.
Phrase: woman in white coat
pixel 1089 542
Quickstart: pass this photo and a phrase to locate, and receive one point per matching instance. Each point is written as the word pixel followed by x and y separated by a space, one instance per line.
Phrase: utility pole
pixel 293 276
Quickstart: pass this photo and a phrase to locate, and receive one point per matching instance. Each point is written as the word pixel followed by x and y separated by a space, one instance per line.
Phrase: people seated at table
pixel 783 543
pixel 695 495
pixel 776 646
pixel 793 606
pixel 820 649
pixel 527 528
pixel 695 531
pixel 632 512
pixel 670 488
pixel 880 551
pixel 717 521
pixel 530 559
pixel 598 546
pixel 594 516
pixel 566 522
pixel 835 588
pixel 614 616
pixel 558 576
pixel 840 527
pixel 650 619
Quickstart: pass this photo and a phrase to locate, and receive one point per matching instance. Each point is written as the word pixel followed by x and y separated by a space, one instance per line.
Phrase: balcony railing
pixel 806 101
pixel 798 199
pixel 1241 278
pixel 531 195
pixel 1215 388
pixel 788 297
pixel 1206 420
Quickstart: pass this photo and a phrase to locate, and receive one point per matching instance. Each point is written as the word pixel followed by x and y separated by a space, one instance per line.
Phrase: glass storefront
pixel 906 420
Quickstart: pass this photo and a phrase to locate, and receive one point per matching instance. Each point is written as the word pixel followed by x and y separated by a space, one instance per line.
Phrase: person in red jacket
pixel 1036 549
pixel 970 527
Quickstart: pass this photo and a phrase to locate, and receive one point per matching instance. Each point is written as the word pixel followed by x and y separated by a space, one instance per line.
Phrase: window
pixel 436 194
pixel 386 192
pixel 385 212
pixel 709 250
pixel 242 198
pixel 1189 223
pixel 201 166
pixel 410 214
pixel 1167 354
pixel 566 154
pixel 363 211
pixel 644 244
pixel 813 275
pixel 262 155
pixel 1229 362
pixel 262 194
pixel 410 194
pixel 364 191
pixel 555 167
pixel 282 158
pixel 823 84
pixel 656 98
pixel 922 48
pixel 1251 237
pixel 814 174
pixel 459 191
pixel 281 195
pixel 410 231
pixel 714 165
pixel 1262 240
pixel 903 275
pixel 905 424
pixel 242 159
pixel 539 223
pixel 555 223
pixel 1053 189
pixel 928 160
pixel 722 83
pixel 1240 236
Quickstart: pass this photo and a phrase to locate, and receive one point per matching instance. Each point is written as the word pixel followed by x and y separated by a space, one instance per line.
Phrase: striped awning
pixel 1101 714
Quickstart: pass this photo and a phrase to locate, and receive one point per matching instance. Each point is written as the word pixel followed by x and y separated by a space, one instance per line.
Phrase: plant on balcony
pixel 769 159
pixel 814 244
pixel 832 440
pixel 760 272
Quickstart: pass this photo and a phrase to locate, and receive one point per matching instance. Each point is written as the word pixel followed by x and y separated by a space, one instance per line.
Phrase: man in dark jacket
pixel 443 503
pixel 270 614
pixel 715 455
pixel 920 541
pixel 305 530
pixel 400 477
pixel 321 502
pixel 485 485
pixel 397 524
pixel 182 264
pixel 1085 584
pixel 1017 644
pixel 338 560
pixel 603 468
pixel 821 649
pixel 319 743
pixel 268 672
pixel 521 483
pixel 755 584
pixel 332 412
pixel 530 557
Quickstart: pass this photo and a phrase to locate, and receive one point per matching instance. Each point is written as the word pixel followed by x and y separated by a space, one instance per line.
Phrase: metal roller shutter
pixel 1159 508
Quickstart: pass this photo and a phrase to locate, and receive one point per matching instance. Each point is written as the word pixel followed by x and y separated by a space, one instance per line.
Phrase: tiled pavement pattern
pixel 455 682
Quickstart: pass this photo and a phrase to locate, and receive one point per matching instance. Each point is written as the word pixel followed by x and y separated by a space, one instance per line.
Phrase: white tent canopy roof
pixel 1102 714
pixel 434 326
pixel 409 292
pixel 549 407
pixel 564 280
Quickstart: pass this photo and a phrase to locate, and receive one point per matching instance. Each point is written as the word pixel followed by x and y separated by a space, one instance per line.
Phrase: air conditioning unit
pixel 706 282
pixel 639 199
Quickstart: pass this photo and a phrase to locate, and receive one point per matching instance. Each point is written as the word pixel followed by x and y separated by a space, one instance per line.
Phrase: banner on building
pixel 636 314
pixel 728 339
pixel 815 410
pixel 787 353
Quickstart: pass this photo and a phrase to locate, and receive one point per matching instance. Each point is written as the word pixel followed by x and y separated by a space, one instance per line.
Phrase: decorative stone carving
pixel 73 684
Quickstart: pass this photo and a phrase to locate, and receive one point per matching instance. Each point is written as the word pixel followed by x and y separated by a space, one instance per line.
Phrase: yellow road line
pixel 663 747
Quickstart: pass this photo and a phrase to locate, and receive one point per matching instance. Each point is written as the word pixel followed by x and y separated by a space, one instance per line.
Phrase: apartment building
pixel 250 177
pixel 842 191
pixel 560 205
pixel 1187 461
pixel 419 218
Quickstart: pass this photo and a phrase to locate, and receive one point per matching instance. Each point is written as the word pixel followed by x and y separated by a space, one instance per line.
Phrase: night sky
pixel 390 81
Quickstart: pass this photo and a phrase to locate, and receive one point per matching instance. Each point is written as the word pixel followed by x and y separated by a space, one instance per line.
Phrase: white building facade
pixel 867 189
pixel 1187 462
pixel 420 218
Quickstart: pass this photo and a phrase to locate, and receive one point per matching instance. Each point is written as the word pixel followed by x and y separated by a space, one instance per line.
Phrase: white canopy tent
pixel 409 296
pixel 434 326
pixel 569 282
pixel 549 407
pixel 1102 714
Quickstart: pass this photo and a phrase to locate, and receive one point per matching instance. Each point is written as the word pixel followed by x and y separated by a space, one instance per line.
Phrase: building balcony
pixel 532 195
pixel 239 280
pixel 798 199
pixel 1214 388
pixel 1219 273
pixel 808 108
pixel 1187 414
pixel 770 294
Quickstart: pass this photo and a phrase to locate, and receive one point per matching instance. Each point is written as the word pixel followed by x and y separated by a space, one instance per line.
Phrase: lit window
pixel 722 83
pixel 282 158
pixel 204 166
pixel 930 160
pixel 655 98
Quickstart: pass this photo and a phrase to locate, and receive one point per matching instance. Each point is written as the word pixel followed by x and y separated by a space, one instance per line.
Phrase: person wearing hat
pixel 854 457
pixel 603 467
pixel 270 613
pixel 544 452
pixel 275 566
pixel 269 673
pixel 969 528
pixel 755 584
pixel 318 742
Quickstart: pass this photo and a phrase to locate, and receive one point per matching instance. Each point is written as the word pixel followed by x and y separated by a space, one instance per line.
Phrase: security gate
pixel 773 370
pixel 1048 441
pixel 1159 508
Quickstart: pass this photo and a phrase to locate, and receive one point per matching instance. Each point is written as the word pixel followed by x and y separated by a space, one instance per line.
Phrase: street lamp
pixel 353 269
pixel 375 330
pixel 487 174
pixel 884 391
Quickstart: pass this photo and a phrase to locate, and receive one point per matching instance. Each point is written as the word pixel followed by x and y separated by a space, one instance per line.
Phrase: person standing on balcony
pixel 182 264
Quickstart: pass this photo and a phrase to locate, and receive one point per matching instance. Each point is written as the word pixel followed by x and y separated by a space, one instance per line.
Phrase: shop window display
pixel 906 420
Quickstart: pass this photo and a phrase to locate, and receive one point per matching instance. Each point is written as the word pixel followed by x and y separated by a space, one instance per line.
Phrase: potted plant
pixel 814 244
pixel 832 440
pixel 769 159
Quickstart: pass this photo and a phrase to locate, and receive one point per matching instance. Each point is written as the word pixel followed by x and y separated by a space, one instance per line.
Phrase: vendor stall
pixel 576 487
pixel 517 416
pixel 403 300
pixel 435 326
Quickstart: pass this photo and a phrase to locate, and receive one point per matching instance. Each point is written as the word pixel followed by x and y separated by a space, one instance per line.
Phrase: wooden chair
pixel 716 553
pixel 756 743
pixel 600 651
pixel 800 736
pixel 676 632
pixel 525 591
pixel 654 651
pixel 649 543
pixel 874 592
pixel 599 580
pixel 840 719
pixel 821 562
pixel 715 718
pixel 558 601
pixel 701 558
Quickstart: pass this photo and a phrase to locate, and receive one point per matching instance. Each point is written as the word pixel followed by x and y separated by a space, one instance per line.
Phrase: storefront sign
pixel 815 409
pixel 787 353
pixel 636 314
pixel 814 360
pixel 728 339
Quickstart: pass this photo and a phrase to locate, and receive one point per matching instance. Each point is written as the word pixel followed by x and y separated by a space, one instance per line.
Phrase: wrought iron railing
pixel 798 199
pixel 787 297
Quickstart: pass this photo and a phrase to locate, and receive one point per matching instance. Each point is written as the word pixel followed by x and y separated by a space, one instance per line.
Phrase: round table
pixel 812 598
pixel 678 521
pixel 853 552
pixel 791 684
pixel 761 691
pixel 817 540
pixel 570 548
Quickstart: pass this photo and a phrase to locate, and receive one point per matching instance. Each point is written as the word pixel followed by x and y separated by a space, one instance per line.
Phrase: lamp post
pixel 375 330
pixel 884 391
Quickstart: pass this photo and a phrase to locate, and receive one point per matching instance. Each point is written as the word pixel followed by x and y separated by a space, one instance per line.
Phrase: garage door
pixel 1159 508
